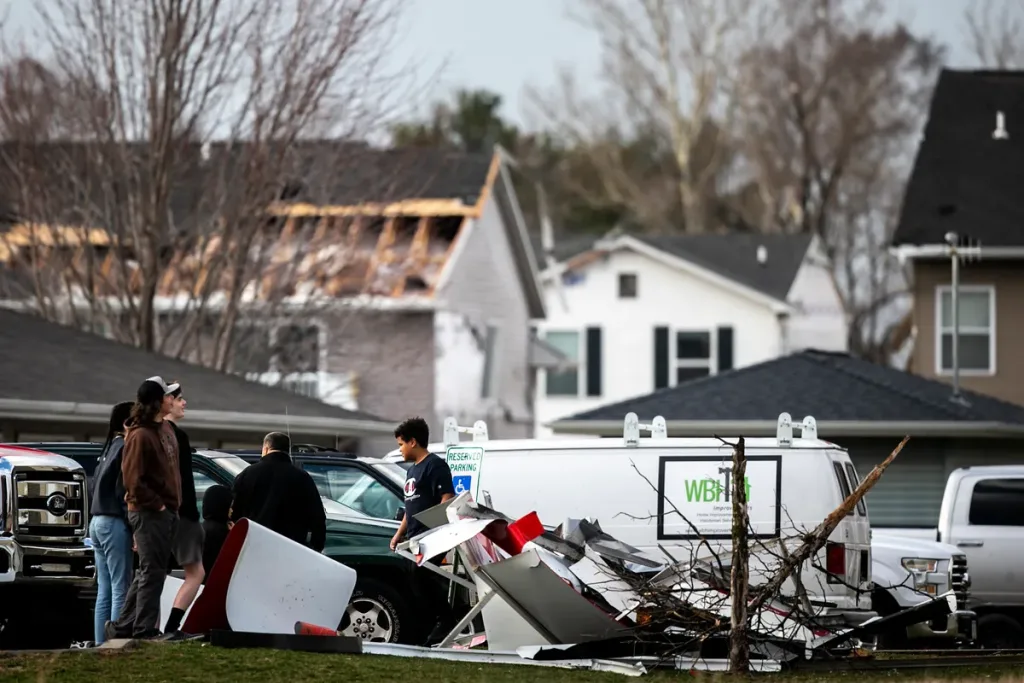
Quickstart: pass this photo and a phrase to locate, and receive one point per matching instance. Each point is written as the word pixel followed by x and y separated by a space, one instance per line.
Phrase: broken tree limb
pixel 739 646
pixel 817 538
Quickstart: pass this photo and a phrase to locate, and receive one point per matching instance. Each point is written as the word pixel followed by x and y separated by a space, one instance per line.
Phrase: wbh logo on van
pixel 700 489
pixel 465 462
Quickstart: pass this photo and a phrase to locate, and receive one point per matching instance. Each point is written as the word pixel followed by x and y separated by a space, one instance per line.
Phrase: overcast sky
pixel 505 45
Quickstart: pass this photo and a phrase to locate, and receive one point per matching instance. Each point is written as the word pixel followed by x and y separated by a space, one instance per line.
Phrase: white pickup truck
pixel 982 515
pixel 909 571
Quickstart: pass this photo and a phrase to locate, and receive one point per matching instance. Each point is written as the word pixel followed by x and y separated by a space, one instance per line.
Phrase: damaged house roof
pixel 846 395
pixel 733 255
pixel 343 220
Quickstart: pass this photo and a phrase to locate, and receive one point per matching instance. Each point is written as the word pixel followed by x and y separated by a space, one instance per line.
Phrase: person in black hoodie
pixel 187 546
pixel 216 507
pixel 109 531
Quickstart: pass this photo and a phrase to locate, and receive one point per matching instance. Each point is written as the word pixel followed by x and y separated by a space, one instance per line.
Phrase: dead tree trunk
pixel 817 538
pixel 739 647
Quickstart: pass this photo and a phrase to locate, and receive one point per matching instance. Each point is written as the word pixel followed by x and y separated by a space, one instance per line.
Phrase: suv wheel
pixel 377 613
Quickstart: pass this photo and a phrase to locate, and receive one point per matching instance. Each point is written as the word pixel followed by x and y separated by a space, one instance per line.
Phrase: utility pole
pixel 953 240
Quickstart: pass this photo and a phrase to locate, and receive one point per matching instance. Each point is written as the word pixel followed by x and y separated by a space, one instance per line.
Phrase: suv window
pixel 997 502
pixel 202 482
pixel 355 488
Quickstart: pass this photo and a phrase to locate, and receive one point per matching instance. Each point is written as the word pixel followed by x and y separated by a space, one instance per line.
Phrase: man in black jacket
pixel 280 496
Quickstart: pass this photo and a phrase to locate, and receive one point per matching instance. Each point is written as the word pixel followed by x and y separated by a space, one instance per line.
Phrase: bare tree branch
pixel 995 33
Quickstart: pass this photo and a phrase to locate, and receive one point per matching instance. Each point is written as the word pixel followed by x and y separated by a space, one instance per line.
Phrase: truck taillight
pixel 835 559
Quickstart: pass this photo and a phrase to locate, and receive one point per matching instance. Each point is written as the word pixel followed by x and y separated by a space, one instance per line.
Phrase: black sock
pixel 174 621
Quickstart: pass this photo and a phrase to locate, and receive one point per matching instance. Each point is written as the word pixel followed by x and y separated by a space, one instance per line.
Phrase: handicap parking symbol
pixel 462 483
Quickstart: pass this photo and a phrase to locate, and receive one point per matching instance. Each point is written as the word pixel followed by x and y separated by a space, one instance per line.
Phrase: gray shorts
pixel 187 546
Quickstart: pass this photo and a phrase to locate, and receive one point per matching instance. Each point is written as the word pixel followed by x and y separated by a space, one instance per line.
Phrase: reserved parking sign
pixel 465 462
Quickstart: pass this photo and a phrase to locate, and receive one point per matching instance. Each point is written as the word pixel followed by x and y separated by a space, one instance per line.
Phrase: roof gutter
pixel 226 421
pixel 828 429
pixel 909 252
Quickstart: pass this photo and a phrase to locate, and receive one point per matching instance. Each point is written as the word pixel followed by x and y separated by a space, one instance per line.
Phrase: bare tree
pixel 656 138
pixel 995 33
pixel 181 123
pixel 739 645
pixel 827 107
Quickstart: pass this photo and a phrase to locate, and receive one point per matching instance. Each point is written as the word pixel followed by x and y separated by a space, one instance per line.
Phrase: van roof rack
pixel 631 429
pixel 784 430
pixel 452 431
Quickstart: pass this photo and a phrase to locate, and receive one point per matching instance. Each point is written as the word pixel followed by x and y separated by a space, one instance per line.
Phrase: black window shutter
pixel 593 361
pixel 724 349
pixel 660 357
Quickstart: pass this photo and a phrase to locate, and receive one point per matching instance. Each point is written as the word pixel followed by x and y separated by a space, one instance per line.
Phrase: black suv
pixel 344 477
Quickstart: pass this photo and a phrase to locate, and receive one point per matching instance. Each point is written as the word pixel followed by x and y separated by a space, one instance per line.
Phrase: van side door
pixel 988 526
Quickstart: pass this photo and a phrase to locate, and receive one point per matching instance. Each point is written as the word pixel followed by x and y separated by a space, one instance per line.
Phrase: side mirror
pixel 400 514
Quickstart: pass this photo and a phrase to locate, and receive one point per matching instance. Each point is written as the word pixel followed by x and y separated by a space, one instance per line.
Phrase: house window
pixel 286 355
pixel 627 285
pixel 693 355
pixel 297 348
pixel 977 330
pixel 564 382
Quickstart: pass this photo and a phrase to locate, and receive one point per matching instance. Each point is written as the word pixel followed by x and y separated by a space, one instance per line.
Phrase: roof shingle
pixel 830 386
pixel 732 255
pixel 964 180
pixel 45 361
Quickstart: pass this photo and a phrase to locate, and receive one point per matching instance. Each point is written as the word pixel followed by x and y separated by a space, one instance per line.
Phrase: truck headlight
pixel 920 564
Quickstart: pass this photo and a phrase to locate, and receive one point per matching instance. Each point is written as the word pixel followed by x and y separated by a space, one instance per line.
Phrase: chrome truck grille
pixel 49 504
pixel 959 581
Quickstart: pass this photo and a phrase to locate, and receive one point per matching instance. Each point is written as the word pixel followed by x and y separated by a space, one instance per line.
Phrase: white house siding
pixel 666 296
pixel 819 321
pixel 485 288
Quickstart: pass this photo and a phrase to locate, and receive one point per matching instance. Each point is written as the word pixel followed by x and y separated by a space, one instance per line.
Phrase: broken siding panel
pixel 484 285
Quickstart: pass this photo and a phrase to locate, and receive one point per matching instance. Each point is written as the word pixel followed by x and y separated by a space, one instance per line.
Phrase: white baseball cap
pixel 168 388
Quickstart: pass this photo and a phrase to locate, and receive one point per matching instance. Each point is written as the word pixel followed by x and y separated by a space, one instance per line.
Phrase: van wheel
pixel 1000 632
pixel 377 613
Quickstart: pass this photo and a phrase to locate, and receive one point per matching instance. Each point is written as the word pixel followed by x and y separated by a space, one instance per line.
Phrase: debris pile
pixel 578 594
pixel 568 597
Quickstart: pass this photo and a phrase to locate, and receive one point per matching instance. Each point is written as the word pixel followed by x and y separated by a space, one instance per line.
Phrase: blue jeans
pixel 112 548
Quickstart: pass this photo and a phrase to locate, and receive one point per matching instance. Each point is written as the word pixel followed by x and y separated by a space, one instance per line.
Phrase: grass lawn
pixel 183 662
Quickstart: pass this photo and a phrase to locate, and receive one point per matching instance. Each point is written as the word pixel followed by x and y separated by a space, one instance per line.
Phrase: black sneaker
pixel 110 632
pixel 171 636
pixel 147 635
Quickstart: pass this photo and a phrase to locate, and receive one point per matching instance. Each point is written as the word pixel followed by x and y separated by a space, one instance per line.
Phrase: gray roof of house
pixel 321 172
pixel 732 255
pixel 45 361
pixel 964 180
pixel 832 387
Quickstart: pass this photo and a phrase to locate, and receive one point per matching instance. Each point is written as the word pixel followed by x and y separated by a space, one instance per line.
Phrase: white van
pixel 668 493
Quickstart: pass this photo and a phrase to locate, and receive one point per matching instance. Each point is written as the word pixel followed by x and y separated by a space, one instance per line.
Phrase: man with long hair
pixel 149 467
pixel 188 539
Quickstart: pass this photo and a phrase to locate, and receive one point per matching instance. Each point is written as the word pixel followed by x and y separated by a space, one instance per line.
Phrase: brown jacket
pixel 151 476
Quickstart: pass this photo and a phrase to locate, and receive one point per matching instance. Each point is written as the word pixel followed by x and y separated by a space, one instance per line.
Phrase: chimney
pixel 547 231
pixel 1000 133
pixel 762 254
